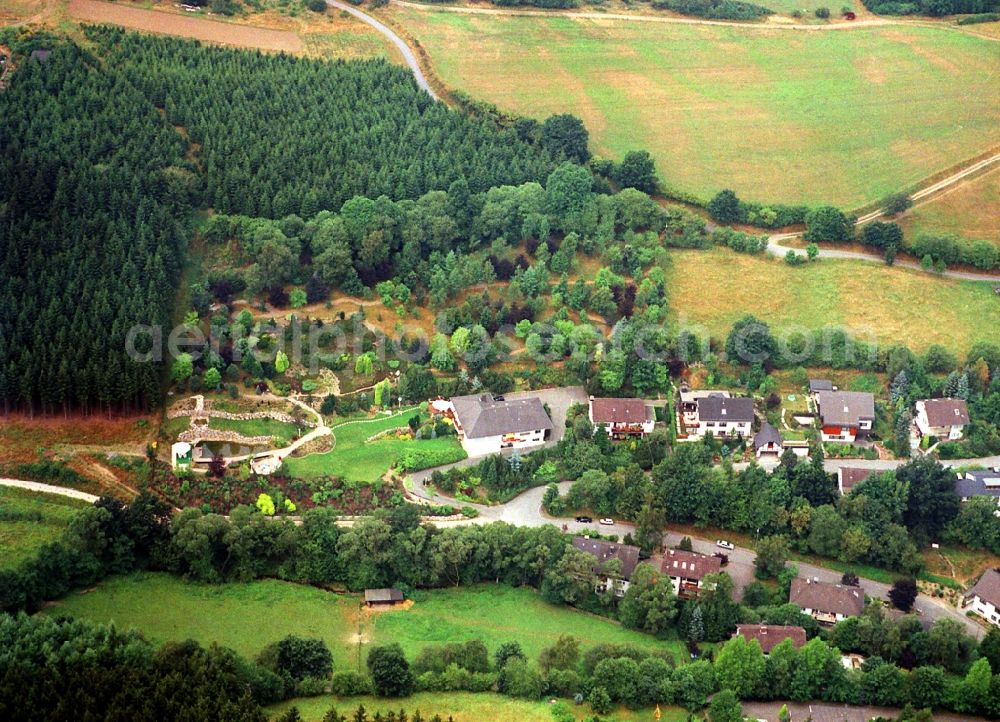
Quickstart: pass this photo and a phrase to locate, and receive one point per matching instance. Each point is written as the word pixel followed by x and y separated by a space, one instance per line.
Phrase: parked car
pixel 723 544
pixel 608 522
pixel 499 397
pixel 584 519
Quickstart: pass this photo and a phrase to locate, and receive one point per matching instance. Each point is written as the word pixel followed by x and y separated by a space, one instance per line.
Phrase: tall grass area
pixel 844 117
pixel 29 519
pixel 710 290
pixel 247 617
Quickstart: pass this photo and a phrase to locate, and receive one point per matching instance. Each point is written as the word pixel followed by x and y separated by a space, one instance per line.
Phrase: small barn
pixel 383 597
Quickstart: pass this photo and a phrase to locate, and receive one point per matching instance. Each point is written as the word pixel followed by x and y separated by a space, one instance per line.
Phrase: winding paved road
pixel 404 49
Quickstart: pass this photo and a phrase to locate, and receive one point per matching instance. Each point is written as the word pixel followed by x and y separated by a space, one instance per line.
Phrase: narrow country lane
pixel 774 246
pixel 404 49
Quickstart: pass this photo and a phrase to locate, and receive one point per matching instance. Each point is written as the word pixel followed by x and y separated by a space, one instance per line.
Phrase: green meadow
pixel 844 117
pixel 248 617
pixel 29 519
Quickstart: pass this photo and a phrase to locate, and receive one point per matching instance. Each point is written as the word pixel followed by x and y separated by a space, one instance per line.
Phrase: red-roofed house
pixel 622 417
pixel 687 570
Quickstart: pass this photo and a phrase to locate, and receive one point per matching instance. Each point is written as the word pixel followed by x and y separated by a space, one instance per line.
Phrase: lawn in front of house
pixel 710 290
pixel 282 432
pixel 29 519
pixel 356 459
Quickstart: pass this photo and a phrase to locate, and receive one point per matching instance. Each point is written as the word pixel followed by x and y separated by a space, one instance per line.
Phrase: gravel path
pixel 404 49
pixel 49 489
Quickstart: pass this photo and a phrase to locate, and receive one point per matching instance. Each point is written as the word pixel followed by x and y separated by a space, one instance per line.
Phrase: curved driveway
pixel 404 49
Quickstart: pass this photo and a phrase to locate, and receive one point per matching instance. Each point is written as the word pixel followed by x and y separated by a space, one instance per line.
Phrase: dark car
pixel 499 397
pixel 584 519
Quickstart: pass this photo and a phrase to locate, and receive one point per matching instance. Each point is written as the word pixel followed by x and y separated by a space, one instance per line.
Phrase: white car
pixel 723 544
pixel 608 522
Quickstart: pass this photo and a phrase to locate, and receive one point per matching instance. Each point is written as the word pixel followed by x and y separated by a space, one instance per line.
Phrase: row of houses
pixel 488 424
pixel 690 573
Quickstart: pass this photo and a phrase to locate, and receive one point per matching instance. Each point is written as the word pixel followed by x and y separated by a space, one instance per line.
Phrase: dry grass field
pixel 152 21
pixel 709 290
pixel 276 28
pixel 970 209
pixel 779 115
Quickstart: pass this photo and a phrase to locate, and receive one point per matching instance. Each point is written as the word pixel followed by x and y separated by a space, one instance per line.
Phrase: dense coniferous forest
pixel 280 134
pixel 90 243
pixel 99 185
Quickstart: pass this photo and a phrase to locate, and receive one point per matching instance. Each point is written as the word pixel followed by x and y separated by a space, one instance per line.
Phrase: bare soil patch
pixel 152 21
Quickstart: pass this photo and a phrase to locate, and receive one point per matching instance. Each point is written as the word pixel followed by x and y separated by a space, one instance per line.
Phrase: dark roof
pixel 978 483
pixel 820 385
pixel 851 476
pixel 771 635
pixel 946 412
pixel 383 595
pixel 605 551
pixel 987 588
pixel 717 408
pixel 689 565
pixel 826 597
pixel 767 435
pixel 620 411
pixel 480 416
pixel 845 408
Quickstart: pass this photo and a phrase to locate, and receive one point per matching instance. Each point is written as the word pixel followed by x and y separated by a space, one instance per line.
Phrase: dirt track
pixel 210 31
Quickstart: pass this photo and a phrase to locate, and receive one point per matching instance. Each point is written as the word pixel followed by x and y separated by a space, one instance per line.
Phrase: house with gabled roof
pixel 767 441
pixel 605 552
pixel 943 418
pixel 687 570
pixel 984 598
pixel 770 636
pixel 845 415
pixel 978 482
pixel 825 602
pixel 489 425
pixel 622 418
pixel 850 476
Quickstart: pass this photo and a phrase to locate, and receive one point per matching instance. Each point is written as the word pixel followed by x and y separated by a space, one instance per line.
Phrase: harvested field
pixel 167 23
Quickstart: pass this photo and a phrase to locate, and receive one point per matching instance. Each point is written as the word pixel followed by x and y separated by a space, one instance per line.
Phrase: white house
pixel 845 415
pixel 605 552
pixel 688 404
pixel 687 570
pixel 720 416
pixel 488 425
pixel 826 603
pixel 622 417
pixel 984 597
pixel 943 418
pixel 767 441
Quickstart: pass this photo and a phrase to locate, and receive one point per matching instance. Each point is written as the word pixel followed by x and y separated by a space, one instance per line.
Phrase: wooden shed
pixel 383 597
